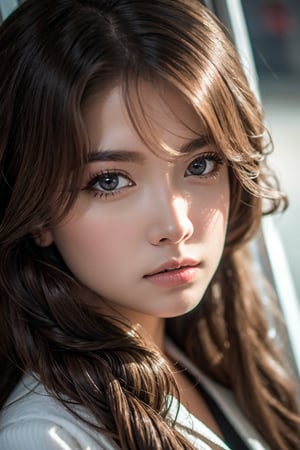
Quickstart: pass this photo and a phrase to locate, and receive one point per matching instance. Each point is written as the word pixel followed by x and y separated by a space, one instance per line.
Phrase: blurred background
pixel 274 28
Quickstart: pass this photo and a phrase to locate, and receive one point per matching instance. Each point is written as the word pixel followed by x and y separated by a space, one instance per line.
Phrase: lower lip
pixel 174 278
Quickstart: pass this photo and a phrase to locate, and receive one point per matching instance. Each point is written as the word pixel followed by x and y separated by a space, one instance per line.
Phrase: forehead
pixel 152 114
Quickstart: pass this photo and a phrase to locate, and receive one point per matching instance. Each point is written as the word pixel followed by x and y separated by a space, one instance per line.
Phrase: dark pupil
pixel 198 167
pixel 109 182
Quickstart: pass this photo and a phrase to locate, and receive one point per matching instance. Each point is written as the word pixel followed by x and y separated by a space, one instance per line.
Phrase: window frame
pixel 268 245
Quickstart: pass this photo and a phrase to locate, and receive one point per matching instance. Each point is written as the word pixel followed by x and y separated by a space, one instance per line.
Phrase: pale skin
pixel 139 213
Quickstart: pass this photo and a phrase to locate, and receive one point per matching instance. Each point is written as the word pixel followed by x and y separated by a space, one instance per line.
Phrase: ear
pixel 43 237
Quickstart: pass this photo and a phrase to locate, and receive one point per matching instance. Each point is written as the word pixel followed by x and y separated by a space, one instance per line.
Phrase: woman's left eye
pixel 204 165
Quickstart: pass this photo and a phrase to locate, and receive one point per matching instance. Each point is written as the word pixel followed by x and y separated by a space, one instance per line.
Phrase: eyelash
pixel 101 175
pixel 214 157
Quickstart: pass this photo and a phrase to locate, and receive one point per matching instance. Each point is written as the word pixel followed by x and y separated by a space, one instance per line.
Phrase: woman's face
pixel 146 233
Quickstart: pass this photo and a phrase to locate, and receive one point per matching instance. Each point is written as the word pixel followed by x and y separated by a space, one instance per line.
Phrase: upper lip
pixel 174 264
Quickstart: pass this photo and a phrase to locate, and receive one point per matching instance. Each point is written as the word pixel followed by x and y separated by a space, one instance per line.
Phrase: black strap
pixel 230 435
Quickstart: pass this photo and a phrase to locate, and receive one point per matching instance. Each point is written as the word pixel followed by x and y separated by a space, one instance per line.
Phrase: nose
pixel 170 222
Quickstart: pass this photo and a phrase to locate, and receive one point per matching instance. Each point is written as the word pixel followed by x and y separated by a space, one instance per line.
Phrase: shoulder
pixel 223 398
pixel 31 419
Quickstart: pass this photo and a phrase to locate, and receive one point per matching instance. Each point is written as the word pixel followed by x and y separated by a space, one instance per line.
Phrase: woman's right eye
pixel 108 183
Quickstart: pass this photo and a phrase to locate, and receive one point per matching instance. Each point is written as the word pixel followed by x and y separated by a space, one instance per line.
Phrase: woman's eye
pixel 204 165
pixel 108 183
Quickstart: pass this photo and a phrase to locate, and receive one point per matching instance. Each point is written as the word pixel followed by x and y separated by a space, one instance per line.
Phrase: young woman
pixel 133 174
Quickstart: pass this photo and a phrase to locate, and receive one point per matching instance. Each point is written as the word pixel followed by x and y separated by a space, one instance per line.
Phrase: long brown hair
pixel 54 55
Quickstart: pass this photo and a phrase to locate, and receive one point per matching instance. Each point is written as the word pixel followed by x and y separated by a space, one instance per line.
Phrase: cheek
pixel 210 212
pixel 91 241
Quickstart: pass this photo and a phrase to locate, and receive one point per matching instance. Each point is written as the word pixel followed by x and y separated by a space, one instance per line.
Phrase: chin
pixel 180 309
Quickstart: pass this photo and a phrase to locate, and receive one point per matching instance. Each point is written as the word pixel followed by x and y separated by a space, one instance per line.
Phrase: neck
pixel 153 330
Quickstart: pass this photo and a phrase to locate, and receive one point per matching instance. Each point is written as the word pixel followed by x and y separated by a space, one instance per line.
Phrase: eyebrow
pixel 133 156
pixel 195 144
pixel 115 155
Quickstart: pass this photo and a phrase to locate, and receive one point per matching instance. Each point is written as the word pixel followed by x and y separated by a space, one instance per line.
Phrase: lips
pixel 173 265
pixel 172 270
pixel 175 274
